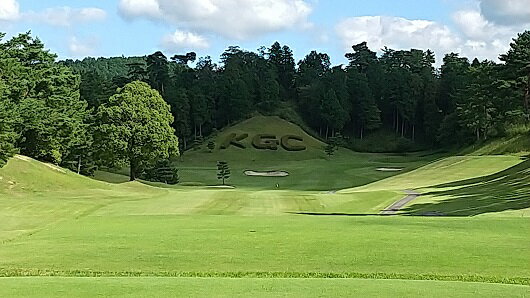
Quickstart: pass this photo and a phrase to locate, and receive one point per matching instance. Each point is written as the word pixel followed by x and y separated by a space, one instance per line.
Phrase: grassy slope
pixel 34 195
pixel 464 186
pixel 310 169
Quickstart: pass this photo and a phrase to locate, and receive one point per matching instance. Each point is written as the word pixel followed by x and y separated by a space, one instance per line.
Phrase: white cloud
pixel 475 36
pixel 9 10
pixel 139 8
pixel 483 39
pixel 66 16
pixel 81 48
pixel 238 19
pixel 506 12
pixel 397 33
pixel 181 40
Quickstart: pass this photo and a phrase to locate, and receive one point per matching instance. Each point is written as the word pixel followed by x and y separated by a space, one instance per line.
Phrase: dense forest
pixel 49 109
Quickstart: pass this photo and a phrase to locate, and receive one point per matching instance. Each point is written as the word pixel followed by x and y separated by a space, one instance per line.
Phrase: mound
pixel 261 139
pixel 22 174
pixel 268 125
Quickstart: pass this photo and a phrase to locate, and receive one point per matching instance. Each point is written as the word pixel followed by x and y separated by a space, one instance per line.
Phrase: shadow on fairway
pixel 332 214
pixel 502 191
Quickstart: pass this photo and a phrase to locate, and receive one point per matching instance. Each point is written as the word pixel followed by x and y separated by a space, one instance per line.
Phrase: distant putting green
pixel 315 233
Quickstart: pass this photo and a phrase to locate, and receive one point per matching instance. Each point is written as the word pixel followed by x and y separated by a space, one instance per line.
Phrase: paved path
pixel 396 206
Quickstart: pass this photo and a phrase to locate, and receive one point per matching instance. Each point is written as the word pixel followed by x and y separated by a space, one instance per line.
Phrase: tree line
pixel 400 90
pixel 53 110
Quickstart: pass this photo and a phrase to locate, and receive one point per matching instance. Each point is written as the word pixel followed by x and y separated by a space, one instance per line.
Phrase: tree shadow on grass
pixel 332 214
pixel 502 191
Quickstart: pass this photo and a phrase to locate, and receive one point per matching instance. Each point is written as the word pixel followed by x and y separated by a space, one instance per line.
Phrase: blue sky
pixel 80 28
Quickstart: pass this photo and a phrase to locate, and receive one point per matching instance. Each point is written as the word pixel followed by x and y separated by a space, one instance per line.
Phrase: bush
pixel 161 171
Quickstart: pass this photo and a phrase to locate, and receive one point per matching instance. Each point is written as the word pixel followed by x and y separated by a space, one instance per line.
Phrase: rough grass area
pixel 518 144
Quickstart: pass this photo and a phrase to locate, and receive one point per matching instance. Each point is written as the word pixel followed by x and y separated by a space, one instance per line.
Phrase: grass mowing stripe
pixel 323 275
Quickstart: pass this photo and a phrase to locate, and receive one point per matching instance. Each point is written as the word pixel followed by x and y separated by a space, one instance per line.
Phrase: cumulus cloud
pixel 182 40
pixel 397 33
pixel 9 10
pixel 506 12
pixel 483 39
pixel 475 36
pixel 66 16
pixel 82 47
pixel 238 19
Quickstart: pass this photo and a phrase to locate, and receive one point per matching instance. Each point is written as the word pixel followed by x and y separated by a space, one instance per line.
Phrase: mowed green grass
pixel 249 287
pixel 61 233
pixel 490 249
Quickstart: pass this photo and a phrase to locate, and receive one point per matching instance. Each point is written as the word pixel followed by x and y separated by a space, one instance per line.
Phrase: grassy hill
pixel 310 169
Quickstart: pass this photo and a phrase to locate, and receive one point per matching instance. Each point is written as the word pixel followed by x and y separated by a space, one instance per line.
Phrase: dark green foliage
pixel 8 136
pixel 223 171
pixel 185 59
pixel 234 139
pixel 293 143
pixel 331 147
pixel 161 171
pixel 265 142
pixel 41 98
pixel 211 146
pixel 516 74
pixel 197 142
pixel 134 127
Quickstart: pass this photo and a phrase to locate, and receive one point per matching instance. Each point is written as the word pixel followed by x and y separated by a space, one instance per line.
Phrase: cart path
pixel 396 206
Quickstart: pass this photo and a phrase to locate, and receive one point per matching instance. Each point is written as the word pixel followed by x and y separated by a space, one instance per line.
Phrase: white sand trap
pixel 389 169
pixel 221 186
pixel 266 173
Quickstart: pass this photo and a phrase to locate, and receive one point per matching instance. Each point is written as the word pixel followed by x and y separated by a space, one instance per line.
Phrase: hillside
pixel 309 169
pixel 265 125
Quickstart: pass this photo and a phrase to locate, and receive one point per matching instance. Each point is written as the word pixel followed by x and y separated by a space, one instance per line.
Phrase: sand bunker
pixel 221 186
pixel 389 169
pixel 266 173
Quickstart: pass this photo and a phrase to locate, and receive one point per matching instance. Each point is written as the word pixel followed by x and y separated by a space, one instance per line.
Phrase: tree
pixel 476 109
pixel 158 71
pixel 330 147
pixel 283 64
pixel 134 127
pixel 454 77
pixel 46 96
pixel 184 59
pixel 332 112
pixel 223 171
pixel 312 68
pixel 211 146
pixel 8 136
pixel 162 171
pixel 517 70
